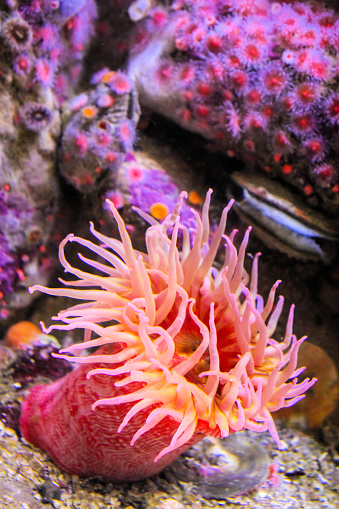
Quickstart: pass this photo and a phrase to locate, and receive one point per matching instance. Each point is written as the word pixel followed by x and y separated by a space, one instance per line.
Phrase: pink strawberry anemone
pixel 185 350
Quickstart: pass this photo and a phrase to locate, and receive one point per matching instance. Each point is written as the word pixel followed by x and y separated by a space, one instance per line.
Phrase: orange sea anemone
pixel 197 339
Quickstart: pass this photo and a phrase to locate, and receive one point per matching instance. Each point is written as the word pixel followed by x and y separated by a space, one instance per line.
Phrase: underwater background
pixel 135 102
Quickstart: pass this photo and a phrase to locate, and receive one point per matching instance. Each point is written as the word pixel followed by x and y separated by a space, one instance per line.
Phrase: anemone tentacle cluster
pixel 197 340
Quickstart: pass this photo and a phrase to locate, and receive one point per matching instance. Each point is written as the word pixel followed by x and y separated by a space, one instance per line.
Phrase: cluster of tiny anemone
pixel 8 274
pixel 100 129
pixel 143 177
pixel 193 341
pixel 35 116
pixel 44 41
pixel 258 78
pixel 11 262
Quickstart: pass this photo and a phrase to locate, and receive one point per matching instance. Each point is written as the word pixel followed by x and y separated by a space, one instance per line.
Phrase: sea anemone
pixel 181 342
pixel 17 33
pixel 35 116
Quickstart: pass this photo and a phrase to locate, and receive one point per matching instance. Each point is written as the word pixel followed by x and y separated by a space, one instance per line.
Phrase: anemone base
pixel 58 418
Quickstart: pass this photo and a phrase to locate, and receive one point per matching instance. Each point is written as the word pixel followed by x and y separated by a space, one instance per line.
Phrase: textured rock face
pixel 28 191
pixel 42 45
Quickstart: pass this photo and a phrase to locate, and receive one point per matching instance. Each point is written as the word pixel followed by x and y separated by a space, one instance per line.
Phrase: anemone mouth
pixel 17 33
pixel 35 116
pixel 186 343
pixel 196 340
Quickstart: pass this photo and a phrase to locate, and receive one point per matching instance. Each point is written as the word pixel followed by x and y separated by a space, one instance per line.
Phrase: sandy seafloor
pixel 304 475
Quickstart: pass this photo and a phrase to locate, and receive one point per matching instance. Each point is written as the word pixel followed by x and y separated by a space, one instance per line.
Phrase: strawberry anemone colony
pixel 185 348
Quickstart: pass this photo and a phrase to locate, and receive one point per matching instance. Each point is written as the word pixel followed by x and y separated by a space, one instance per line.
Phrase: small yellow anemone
pixel 197 339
